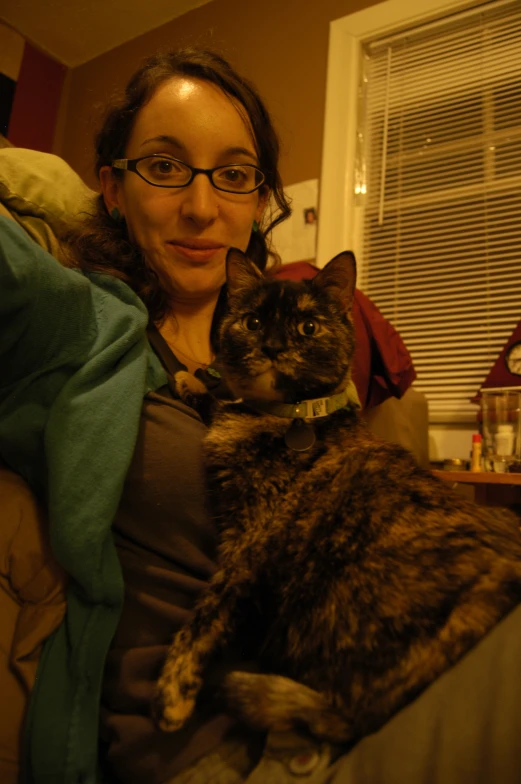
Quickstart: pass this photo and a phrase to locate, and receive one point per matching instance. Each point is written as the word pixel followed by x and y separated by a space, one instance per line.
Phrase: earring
pixel 115 214
pixel 255 226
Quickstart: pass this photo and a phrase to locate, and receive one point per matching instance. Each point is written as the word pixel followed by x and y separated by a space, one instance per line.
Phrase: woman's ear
pixel 110 188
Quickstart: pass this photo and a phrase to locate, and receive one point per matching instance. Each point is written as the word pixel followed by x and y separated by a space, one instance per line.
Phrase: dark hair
pixel 102 244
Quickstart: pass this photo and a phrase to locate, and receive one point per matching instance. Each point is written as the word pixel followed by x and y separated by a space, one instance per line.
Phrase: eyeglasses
pixel 170 173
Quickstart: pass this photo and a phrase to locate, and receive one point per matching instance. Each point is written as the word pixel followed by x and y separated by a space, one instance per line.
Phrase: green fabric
pixel 73 350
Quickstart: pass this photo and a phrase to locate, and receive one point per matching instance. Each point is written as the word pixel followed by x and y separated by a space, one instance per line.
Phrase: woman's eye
pixel 234 176
pixel 160 165
pixel 252 323
pixel 164 168
pixel 308 327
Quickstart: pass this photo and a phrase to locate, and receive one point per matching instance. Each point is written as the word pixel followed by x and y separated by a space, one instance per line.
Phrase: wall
pixel 448 441
pixel 36 101
pixel 11 55
pixel 11 51
pixel 281 46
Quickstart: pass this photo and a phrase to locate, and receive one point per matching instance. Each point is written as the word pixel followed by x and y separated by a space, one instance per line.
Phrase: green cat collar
pixel 310 409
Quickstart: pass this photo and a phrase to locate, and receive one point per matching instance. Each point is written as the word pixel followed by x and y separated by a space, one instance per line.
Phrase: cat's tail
pixel 273 702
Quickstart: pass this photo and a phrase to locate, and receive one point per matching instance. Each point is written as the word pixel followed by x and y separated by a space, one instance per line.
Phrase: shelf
pixel 486 487
pixel 479 478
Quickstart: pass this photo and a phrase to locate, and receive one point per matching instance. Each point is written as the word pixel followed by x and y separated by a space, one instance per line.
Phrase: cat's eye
pixel 252 323
pixel 308 327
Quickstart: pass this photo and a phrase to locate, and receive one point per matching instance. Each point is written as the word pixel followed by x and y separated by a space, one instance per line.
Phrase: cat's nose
pixel 272 351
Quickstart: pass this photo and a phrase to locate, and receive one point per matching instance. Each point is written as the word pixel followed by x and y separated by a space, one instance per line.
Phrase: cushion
pixel 42 193
pixel 32 605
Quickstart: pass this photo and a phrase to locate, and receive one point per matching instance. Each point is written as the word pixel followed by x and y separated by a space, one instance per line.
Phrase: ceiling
pixel 76 31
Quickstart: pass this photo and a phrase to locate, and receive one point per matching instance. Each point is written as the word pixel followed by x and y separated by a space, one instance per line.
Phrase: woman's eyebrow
pixel 240 151
pixel 173 142
pixel 164 139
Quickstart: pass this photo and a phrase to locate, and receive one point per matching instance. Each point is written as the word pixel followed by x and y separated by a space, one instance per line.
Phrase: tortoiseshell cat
pixel 367 575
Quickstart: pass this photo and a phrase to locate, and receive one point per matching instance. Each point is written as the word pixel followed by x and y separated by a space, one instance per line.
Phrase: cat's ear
pixel 241 273
pixel 339 276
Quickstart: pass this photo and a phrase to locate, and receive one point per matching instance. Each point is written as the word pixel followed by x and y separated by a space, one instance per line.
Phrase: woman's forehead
pixel 192 112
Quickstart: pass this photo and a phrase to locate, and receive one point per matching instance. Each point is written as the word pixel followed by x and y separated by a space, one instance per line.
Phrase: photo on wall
pixel 296 238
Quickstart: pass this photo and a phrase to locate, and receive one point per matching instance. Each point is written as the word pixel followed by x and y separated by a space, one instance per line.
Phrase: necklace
pixel 203 365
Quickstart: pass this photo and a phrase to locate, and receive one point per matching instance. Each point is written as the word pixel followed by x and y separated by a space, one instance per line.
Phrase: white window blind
pixel 439 190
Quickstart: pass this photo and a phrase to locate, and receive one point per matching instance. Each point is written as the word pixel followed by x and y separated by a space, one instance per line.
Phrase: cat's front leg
pixel 194 393
pixel 275 703
pixel 193 647
pixel 179 683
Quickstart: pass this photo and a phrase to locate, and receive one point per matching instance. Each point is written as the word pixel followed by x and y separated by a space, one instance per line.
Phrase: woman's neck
pixel 187 331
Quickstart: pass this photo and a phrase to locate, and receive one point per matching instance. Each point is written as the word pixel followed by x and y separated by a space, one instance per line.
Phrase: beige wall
pixel 11 51
pixel 281 45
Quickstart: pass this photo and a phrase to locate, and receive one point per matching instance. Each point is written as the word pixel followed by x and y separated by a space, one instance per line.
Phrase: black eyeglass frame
pixel 130 164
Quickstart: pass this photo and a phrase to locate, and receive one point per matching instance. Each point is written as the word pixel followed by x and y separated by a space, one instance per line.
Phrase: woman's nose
pixel 200 201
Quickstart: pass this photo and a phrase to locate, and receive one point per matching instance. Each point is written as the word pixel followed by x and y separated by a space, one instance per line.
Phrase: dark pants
pixel 464 729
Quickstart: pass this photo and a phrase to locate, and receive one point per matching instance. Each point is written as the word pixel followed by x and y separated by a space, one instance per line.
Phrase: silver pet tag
pixel 300 436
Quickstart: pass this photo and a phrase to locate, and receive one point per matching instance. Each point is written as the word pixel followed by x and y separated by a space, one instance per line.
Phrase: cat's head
pixel 285 340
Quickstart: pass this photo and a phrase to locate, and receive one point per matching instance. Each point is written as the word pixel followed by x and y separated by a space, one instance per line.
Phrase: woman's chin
pixel 191 281
pixel 197 287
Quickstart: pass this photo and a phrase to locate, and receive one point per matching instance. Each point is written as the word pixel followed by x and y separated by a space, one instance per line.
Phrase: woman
pixel 183 221
pixel 201 158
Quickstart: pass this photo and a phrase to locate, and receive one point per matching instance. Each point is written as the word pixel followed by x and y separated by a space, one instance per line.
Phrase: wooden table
pixel 490 489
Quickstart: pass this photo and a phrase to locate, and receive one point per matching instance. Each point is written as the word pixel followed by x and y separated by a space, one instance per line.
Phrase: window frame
pixel 341 213
pixel 338 226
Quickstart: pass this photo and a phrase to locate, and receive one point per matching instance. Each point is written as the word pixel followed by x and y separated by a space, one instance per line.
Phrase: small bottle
pixel 505 440
pixel 475 461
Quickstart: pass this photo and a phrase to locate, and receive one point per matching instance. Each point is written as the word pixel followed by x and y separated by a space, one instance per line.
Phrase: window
pixel 433 181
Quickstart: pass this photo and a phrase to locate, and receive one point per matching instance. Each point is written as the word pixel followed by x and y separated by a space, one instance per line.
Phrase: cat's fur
pixel 364 576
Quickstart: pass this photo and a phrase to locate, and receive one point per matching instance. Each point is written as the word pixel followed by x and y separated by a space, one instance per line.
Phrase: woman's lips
pixel 198 251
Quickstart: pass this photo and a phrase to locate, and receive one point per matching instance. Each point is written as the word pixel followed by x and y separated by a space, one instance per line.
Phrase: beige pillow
pixel 42 193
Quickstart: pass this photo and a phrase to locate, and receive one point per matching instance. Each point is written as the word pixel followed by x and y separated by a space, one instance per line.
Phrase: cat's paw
pixel 171 712
pixel 176 693
pixel 189 388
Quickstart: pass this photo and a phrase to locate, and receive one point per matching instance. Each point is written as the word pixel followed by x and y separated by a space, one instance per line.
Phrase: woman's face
pixel 187 231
